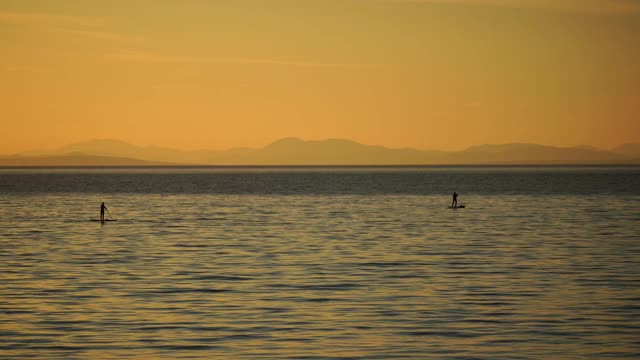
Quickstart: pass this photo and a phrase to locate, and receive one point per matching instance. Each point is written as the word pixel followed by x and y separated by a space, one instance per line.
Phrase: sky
pixel 217 74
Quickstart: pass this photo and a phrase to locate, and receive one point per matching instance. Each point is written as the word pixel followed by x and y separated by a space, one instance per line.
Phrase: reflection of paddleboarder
pixel 454 203
pixel 102 209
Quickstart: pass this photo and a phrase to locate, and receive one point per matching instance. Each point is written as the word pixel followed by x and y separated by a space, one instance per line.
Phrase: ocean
pixel 320 263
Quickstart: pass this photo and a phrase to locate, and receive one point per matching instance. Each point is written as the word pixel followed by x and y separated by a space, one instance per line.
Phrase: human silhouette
pixel 454 203
pixel 102 208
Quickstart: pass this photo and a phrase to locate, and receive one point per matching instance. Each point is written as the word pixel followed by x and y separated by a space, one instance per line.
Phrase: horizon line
pixel 333 166
pixel 20 153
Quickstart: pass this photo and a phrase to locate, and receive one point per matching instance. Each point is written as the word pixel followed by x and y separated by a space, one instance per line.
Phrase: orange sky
pixel 429 74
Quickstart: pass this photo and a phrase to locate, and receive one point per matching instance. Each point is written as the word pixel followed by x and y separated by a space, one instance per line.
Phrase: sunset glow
pixel 428 74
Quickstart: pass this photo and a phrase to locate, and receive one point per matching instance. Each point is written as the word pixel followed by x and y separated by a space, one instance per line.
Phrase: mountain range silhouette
pixel 294 151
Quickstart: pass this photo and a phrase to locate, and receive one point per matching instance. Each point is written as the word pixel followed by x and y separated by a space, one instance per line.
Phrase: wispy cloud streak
pixel 606 7
pixel 77 25
pixel 46 19
pixel 146 57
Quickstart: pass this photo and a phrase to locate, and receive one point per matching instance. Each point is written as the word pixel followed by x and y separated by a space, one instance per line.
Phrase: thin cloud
pixel 104 35
pixel 46 19
pixel 146 57
pixel 77 25
pixel 606 7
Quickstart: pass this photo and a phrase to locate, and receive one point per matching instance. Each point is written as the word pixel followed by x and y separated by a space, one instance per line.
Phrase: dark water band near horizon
pixel 304 180
pixel 320 263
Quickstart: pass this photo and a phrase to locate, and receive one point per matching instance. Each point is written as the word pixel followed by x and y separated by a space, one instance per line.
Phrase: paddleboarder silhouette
pixel 454 203
pixel 102 208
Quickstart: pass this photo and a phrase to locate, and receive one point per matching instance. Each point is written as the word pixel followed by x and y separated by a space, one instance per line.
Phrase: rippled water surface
pixel 320 263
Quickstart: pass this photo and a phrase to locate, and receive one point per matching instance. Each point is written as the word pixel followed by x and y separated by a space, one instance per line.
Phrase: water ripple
pixel 319 276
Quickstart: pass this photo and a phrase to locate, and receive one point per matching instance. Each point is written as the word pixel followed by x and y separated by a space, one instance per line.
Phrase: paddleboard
pixel 457 207
pixel 103 220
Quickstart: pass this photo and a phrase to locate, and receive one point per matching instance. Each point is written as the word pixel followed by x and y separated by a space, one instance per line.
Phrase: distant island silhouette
pixel 76 159
pixel 294 151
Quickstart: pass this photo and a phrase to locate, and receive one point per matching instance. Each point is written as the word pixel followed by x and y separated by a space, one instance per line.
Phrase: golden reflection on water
pixel 245 277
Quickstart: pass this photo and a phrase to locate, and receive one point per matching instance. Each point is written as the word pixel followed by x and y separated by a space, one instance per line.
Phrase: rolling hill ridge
pixel 294 151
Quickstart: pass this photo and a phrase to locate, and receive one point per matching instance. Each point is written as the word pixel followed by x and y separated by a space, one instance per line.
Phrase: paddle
pixel 108 213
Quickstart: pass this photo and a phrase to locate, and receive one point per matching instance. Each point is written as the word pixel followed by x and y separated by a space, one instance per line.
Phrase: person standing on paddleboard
pixel 454 203
pixel 102 208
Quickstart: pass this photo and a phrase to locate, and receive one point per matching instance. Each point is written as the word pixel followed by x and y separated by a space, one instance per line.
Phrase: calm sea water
pixel 320 263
